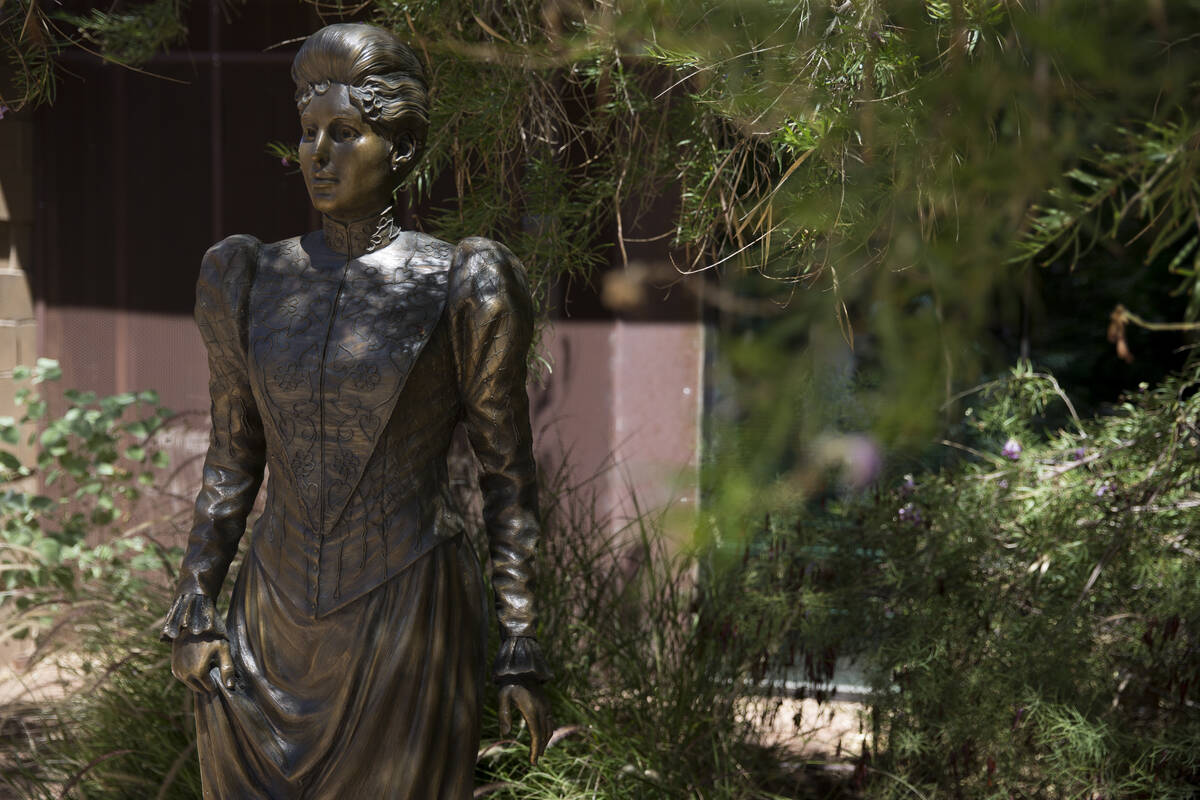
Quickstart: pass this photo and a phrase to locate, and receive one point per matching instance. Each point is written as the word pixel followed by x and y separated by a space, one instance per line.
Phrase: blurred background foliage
pixel 886 206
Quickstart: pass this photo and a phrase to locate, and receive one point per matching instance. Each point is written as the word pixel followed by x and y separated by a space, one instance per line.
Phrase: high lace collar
pixel 362 235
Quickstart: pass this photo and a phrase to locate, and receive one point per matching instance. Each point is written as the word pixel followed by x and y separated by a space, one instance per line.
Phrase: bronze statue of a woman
pixel 350 664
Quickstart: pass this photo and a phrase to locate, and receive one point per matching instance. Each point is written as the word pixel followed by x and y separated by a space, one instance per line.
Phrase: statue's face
pixel 346 164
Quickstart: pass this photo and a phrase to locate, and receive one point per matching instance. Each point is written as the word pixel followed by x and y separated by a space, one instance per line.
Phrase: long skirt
pixel 377 700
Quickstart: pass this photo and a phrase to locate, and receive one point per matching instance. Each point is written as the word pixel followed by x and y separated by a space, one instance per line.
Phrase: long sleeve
pixel 491 315
pixel 233 467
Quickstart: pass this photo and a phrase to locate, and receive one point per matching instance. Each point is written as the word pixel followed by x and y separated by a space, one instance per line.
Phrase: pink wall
pixel 623 404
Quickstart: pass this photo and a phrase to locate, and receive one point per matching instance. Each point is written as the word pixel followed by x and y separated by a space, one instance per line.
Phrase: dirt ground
pixel 832 731
pixel 19 684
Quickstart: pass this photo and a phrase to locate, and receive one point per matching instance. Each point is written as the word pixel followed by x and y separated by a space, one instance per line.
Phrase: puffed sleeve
pixel 233 467
pixel 491 314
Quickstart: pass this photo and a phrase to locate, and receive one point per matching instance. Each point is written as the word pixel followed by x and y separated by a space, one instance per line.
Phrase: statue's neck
pixel 361 235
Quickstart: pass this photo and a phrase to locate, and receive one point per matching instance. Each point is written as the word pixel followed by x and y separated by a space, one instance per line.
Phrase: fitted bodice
pixel 331 342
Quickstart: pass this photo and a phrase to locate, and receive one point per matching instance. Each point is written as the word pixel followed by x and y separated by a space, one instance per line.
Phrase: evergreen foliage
pixel 32 35
pixel 1031 618
pixel 886 170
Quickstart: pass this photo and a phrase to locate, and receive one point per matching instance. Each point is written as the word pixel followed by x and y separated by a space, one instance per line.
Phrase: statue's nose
pixel 320 151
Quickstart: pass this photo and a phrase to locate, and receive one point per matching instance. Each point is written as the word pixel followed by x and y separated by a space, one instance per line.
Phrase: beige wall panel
pixel 16 303
pixel 27 343
pixel 8 351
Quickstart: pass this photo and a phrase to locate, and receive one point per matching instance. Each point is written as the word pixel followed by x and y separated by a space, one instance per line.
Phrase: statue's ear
pixel 404 150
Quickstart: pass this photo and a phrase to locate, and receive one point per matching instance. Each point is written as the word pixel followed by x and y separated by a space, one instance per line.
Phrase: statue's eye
pixel 345 133
pixel 308 133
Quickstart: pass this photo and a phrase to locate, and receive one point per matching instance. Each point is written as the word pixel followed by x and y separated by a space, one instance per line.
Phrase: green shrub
pixel 84 577
pixel 1031 617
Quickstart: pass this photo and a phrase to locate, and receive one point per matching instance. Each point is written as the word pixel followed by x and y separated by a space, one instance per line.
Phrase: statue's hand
pixel 192 658
pixel 531 701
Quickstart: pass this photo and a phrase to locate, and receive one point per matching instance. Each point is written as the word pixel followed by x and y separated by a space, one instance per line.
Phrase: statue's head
pixel 364 114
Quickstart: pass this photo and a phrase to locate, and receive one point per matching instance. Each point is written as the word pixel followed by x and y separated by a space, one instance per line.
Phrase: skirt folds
pixel 379 699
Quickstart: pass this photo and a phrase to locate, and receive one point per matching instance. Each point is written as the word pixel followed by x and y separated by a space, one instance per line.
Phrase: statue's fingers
pixel 547 728
pixel 225 663
pixel 531 709
pixel 184 665
pixel 505 713
pixel 194 679
pixel 544 727
pixel 537 742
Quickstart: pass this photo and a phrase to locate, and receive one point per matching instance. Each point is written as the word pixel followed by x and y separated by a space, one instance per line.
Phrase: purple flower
pixel 285 161
pixel 1102 490
pixel 1079 452
pixel 1011 449
pixel 3 110
pixel 855 456
pixel 909 486
pixel 1003 484
pixel 862 460
pixel 910 514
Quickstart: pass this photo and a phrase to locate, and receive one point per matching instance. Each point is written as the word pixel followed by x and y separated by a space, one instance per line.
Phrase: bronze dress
pixel 357 622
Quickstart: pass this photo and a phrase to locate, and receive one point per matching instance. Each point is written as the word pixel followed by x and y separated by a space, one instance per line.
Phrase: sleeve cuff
pixel 520 657
pixel 192 613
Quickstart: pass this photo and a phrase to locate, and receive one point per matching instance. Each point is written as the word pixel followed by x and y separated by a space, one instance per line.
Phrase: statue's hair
pixel 382 75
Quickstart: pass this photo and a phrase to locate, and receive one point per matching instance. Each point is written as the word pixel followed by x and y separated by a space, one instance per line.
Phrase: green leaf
pixel 75 465
pixel 135 453
pixel 20 373
pixel 9 461
pixel 9 434
pixel 79 398
pixel 50 550
pixel 146 562
pixel 160 459
pixel 48 370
